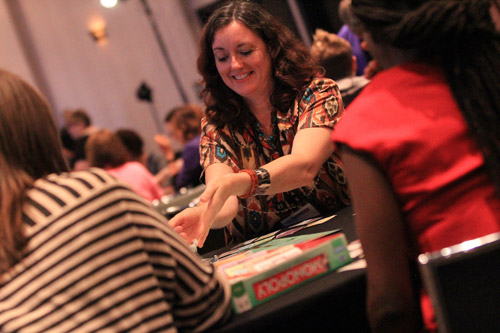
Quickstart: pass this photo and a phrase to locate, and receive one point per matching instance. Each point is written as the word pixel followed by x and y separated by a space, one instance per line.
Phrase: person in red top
pixel 421 146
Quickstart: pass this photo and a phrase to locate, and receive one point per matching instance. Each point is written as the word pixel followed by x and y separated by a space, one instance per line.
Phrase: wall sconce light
pixel 98 32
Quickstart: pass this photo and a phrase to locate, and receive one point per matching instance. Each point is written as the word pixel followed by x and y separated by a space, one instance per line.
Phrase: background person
pixel 421 145
pixel 79 126
pixel 350 32
pixel 67 141
pixel 105 150
pixel 135 147
pixel 183 125
pixel 262 98
pixel 335 56
pixel 82 252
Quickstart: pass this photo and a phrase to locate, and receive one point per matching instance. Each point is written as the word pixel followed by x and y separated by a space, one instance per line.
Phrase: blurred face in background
pixel 376 51
pixel 75 129
pixel 174 133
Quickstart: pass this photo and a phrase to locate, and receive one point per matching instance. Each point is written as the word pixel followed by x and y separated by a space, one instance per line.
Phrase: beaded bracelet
pixel 261 180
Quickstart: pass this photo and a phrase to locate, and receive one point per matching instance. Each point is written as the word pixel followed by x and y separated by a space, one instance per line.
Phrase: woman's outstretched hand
pixel 195 223
pixel 214 197
pixel 187 224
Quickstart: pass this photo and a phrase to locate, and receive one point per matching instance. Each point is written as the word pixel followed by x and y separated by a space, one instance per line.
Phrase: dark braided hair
pixel 292 64
pixel 459 36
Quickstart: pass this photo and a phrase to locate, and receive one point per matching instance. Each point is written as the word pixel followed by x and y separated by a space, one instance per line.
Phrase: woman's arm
pixel 190 224
pixel 380 227
pixel 219 203
pixel 165 145
pixel 311 148
pixel 224 214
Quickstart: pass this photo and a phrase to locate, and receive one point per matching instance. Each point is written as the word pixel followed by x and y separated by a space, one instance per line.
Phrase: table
pixel 334 302
pixel 169 206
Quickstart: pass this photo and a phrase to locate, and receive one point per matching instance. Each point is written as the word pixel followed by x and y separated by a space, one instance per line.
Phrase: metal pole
pixel 299 22
pixel 154 113
pixel 163 49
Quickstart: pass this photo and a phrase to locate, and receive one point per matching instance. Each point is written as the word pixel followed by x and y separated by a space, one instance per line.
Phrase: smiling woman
pixel 263 97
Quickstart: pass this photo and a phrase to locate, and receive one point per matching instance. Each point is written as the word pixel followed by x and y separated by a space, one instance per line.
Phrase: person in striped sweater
pixel 82 252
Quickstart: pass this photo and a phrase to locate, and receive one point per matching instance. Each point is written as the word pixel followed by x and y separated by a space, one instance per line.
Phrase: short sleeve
pixel 215 146
pixel 320 105
pixel 357 129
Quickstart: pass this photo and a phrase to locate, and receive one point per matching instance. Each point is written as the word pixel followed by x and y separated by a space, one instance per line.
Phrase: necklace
pixel 271 143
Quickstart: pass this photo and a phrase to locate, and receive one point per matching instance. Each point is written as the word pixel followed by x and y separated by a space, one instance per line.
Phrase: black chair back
pixel 463 282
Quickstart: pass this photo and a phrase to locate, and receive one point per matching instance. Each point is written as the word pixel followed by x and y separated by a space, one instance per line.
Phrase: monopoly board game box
pixel 266 268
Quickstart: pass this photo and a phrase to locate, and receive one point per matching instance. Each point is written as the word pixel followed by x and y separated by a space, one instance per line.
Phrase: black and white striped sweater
pixel 100 258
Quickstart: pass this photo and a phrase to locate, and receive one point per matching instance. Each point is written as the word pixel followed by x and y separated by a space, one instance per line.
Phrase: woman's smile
pixel 242 76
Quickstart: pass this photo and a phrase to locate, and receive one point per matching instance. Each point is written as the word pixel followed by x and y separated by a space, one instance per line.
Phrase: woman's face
pixel 243 61
pixel 384 55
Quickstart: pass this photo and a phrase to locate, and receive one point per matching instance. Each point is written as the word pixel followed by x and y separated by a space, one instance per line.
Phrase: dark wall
pixel 315 13
pixel 321 14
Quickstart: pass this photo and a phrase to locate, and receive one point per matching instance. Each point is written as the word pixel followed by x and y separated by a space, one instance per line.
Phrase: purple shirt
pixel 191 171
pixel 353 39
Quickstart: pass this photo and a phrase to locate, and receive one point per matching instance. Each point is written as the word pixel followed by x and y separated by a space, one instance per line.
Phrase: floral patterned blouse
pixel 320 106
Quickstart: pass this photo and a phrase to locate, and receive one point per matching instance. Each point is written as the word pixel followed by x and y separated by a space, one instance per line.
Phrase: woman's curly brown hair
pixel 292 65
